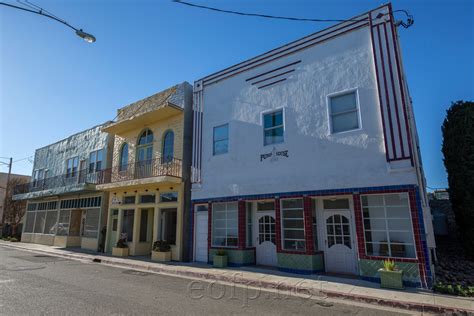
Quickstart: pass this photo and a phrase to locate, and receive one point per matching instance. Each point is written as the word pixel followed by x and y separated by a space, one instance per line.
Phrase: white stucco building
pixel 307 157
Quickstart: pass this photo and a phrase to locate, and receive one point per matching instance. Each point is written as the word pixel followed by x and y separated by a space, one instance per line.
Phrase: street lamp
pixel 37 10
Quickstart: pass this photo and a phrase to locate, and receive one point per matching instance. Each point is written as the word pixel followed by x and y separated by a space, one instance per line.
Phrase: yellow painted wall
pixel 144 248
pixel 159 128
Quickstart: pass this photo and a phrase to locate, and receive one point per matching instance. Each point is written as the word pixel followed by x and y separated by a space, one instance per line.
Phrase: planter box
pixel 119 252
pixel 161 256
pixel 219 261
pixel 391 279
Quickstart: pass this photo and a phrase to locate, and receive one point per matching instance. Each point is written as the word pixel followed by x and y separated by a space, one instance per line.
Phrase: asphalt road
pixel 43 285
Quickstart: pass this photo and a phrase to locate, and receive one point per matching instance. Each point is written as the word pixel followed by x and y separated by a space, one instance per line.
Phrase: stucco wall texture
pixel 317 159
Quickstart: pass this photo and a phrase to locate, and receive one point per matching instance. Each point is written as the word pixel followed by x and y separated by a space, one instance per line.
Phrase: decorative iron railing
pixel 142 169
pixel 72 178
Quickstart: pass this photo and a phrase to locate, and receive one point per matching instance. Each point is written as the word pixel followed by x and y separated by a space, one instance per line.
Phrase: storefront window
pixel 51 222
pixel 30 222
pixel 388 226
pixel 293 224
pixel 127 226
pixel 91 227
pixel 168 225
pixel 63 223
pixel 224 224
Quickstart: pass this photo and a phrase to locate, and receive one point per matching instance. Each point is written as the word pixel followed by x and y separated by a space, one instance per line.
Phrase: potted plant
pixel 390 276
pixel 220 259
pixel 121 249
pixel 161 251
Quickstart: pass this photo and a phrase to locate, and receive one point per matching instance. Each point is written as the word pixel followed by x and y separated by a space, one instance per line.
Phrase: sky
pixel 53 84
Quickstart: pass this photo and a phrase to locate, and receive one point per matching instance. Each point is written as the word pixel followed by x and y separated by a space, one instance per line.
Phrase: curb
pixel 412 306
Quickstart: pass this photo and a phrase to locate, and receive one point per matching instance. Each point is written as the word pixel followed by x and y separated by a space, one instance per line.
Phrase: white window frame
pixel 36 178
pixel 282 225
pixel 262 122
pixel 71 174
pixel 213 210
pixel 214 140
pixel 329 114
pixel 95 153
pixel 387 231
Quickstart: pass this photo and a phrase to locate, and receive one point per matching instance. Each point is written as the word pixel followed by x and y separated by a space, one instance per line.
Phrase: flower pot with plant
pixel 121 249
pixel 220 259
pixel 161 251
pixel 390 276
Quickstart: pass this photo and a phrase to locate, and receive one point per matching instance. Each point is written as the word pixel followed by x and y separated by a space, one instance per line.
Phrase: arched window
pixel 123 157
pixel 145 146
pixel 145 138
pixel 168 146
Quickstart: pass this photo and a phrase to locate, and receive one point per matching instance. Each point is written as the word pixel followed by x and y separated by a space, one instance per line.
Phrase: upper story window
pixel 145 146
pixel 123 163
pixel 168 146
pixel 95 160
pixel 221 139
pixel 71 167
pixel 273 127
pixel 38 175
pixel 344 112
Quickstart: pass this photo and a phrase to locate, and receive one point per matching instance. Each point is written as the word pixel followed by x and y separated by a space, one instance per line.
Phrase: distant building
pixel 64 208
pixel 439 194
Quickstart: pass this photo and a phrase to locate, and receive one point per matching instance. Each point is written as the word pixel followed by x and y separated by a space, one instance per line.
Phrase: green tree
pixel 458 151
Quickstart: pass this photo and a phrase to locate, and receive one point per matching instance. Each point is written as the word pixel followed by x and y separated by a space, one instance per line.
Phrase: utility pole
pixel 6 194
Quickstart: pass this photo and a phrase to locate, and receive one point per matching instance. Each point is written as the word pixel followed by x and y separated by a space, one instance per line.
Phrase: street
pixel 39 284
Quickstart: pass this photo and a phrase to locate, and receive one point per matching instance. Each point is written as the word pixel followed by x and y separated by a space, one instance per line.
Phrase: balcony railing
pixel 142 169
pixel 76 177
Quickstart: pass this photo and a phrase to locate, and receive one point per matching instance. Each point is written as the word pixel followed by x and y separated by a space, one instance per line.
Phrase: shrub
pixel 221 252
pixel 457 289
pixel 458 151
pixel 389 265
pixel 161 246
pixel 122 243
pixel 13 239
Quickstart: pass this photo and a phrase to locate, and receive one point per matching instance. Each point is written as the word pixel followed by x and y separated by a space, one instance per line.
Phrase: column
pixel 308 225
pixel 241 224
pixel 277 224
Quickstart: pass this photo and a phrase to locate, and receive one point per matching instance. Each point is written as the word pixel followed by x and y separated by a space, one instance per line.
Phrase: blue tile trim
pixel 424 245
pixel 405 283
pixel 298 271
pixel 301 193
pixel 235 265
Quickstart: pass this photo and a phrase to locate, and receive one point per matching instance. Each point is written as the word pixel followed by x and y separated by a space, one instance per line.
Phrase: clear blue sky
pixel 53 84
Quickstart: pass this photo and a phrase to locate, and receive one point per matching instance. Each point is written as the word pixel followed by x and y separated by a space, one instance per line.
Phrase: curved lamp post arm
pixel 85 36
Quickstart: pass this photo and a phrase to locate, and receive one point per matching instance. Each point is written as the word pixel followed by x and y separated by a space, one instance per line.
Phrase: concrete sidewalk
pixel 317 286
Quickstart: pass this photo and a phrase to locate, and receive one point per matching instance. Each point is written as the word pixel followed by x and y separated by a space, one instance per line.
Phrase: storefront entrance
pixel 264 232
pixel 340 252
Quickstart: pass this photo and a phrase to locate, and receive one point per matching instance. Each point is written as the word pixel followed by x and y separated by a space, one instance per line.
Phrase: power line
pixel 406 24
pixel 23 159
pixel 262 15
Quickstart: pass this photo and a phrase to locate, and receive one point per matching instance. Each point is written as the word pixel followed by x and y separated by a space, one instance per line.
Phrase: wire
pixel 40 11
pixel 23 159
pixel 406 24
pixel 262 15
pixel 431 188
